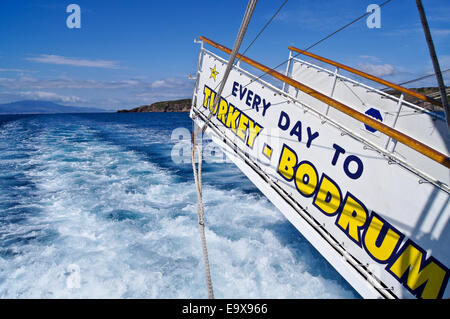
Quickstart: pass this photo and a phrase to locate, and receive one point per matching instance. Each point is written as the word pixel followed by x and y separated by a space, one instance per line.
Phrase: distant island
pixel 183 105
pixel 43 107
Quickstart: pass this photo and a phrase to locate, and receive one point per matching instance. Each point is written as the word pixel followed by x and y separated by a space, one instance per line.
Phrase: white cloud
pixel 444 61
pixel 158 84
pixel 61 60
pixel 370 58
pixel 16 70
pixel 66 83
pixel 157 95
pixel 167 83
pixel 379 70
pixel 442 32
pixel 124 93
pixel 49 96
pixel 436 13
pixel 33 83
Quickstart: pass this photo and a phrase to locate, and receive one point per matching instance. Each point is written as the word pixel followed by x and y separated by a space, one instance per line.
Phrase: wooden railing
pixel 369 76
pixel 399 136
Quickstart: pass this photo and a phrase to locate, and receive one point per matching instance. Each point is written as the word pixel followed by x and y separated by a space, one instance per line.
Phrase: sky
pixel 135 52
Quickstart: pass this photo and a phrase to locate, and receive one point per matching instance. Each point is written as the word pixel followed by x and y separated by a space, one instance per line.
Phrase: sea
pixel 105 206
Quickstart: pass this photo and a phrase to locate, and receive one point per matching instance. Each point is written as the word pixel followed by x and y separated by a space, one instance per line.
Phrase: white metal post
pixel 399 108
pixel 335 76
pixel 288 67
pixel 197 75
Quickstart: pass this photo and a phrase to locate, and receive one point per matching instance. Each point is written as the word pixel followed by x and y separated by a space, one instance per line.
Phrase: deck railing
pixel 392 133
pixel 369 76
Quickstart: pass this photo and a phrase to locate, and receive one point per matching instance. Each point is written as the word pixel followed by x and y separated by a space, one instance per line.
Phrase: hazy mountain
pixel 33 107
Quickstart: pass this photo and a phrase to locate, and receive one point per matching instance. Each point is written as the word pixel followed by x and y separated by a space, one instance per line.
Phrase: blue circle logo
pixel 376 115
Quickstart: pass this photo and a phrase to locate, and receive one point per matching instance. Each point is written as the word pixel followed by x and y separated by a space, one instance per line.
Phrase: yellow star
pixel 213 73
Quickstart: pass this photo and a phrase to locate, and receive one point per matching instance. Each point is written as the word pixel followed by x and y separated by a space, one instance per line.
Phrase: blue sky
pixel 134 52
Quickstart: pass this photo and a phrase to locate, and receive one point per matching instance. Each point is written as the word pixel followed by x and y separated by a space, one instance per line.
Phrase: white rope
pixel 198 173
pixel 237 44
pixel 200 211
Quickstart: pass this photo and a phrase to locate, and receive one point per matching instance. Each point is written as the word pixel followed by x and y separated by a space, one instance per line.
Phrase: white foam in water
pixel 110 224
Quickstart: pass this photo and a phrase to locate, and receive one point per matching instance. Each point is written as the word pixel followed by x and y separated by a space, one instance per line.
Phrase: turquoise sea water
pixel 93 206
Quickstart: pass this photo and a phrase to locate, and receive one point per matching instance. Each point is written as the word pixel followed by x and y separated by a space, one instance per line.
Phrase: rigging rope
pixel 237 44
pixel 421 78
pixel 196 148
pixel 265 26
pixel 313 45
pixel 198 171
pixel 200 211
pixel 257 36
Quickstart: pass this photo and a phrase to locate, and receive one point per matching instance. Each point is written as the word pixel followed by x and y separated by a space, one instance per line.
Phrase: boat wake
pixel 88 209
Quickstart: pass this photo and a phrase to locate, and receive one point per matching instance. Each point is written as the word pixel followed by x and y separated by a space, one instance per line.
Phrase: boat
pixel 363 174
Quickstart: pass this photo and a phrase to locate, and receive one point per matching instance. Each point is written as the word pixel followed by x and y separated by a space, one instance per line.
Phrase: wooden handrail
pixel 369 76
pixel 399 136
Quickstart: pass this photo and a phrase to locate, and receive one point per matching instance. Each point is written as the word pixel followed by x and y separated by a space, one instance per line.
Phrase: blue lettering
pixel 265 106
pixel 256 102
pixel 235 88
pixel 249 97
pixel 242 93
pixel 339 150
pixel 311 137
pixel 297 130
pixel 287 121
pixel 359 170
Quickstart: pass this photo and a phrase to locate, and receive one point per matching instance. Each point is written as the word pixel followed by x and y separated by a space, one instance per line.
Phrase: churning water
pixel 92 206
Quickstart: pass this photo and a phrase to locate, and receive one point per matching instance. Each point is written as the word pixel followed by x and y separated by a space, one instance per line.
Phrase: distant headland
pixel 183 105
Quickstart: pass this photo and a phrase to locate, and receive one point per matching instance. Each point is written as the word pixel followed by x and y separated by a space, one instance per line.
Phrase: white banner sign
pixel 386 233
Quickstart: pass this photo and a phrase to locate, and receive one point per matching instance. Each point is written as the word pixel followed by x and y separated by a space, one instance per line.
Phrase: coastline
pixel 183 105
